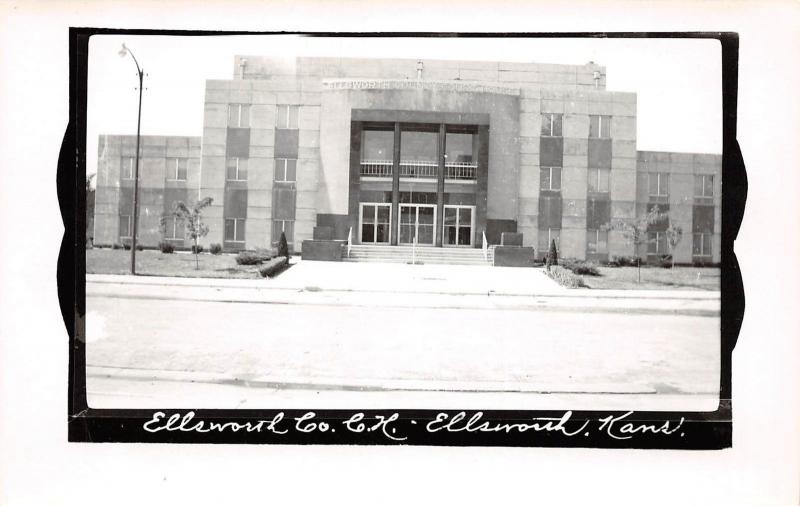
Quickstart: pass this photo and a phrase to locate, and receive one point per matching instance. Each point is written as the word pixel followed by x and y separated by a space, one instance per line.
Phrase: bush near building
pixel 565 277
pixel 580 267
pixel 215 248
pixel 274 266
pixel 166 247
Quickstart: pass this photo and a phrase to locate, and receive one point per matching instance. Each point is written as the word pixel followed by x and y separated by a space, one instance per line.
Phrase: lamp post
pixel 122 52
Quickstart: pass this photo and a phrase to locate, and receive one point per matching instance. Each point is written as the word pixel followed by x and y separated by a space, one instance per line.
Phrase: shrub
pixel 552 255
pixel 216 248
pixel 249 258
pixel 274 266
pixel 283 246
pixel 581 267
pixel 624 261
pixel 197 249
pixel 565 277
pixel 116 245
pixel 665 261
pixel 139 247
pixel 166 247
pixel 127 246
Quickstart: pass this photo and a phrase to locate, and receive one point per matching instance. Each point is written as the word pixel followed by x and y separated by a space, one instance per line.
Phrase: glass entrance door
pixel 417 220
pixel 457 225
pixel 376 223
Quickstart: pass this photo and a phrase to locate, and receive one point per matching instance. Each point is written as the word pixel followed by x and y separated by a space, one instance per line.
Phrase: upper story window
pixel 704 188
pixel 599 180
pixel 599 127
pixel 658 184
pixel 552 125
pixel 239 115
pixel 550 179
pixel 126 169
pixel 377 151
pixel 176 169
pixel 285 170
pixel 236 169
pixel 286 117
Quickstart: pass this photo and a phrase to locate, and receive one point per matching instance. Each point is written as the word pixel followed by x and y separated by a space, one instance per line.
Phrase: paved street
pixel 159 346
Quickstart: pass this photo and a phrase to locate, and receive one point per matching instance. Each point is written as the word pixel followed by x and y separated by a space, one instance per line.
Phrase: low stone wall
pixel 329 251
pixel 513 256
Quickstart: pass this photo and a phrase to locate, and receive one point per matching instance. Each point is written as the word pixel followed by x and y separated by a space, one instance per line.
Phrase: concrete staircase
pixel 424 255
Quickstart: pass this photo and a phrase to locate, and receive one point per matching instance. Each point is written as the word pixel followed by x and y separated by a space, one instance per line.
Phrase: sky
pixel 678 81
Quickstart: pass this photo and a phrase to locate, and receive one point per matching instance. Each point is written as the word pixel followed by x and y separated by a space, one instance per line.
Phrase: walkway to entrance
pixel 404 278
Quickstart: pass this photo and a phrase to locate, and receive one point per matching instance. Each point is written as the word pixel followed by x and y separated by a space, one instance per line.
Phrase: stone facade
pixel 281 152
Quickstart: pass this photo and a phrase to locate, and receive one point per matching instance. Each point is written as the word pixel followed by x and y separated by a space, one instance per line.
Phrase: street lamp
pixel 122 52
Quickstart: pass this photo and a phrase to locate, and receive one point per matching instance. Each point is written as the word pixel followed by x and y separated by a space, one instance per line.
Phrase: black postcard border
pixel 687 430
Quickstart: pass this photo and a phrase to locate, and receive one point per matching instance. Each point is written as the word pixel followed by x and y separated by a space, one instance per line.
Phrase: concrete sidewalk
pixel 399 285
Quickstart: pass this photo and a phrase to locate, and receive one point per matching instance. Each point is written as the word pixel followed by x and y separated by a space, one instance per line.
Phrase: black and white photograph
pixel 416 252
pixel 505 223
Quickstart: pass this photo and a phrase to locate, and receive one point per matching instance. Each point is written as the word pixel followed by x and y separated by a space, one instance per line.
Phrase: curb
pixel 368 384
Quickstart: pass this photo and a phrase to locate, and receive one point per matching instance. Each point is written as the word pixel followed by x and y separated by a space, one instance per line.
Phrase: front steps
pixel 423 255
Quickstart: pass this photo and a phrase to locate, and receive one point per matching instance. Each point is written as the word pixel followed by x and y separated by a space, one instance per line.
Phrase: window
pixel 599 127
pixel 597 241
pixel 598 180
pixel 550 179
pixel 656 243
pixel 286 117
pixel 419 152
pixel 125 226
pixel 239 115
pixel 176 169
pixel 236 169
pixel 377 152
pixel 234 229
pixel 701 245
pixel 704 188
pixel 285 226
pixel 285 170
pixel 659 184
pixel 546 237
pixel 127 167
pixel 174 228
pixel 551 125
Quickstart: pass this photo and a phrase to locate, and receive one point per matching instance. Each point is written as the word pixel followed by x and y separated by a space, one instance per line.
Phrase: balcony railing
pixel 461 170
pixel 416 169
pixel 376 168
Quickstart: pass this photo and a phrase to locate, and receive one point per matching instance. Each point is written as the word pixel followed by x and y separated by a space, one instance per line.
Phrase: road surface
pixel 163 351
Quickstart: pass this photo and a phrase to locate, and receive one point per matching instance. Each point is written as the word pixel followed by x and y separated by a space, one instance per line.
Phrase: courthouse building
pixel 391 152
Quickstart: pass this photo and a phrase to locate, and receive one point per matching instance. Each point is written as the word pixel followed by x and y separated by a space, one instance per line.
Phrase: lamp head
pixel 123 50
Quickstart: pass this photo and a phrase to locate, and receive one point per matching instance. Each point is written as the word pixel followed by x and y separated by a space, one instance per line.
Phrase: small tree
pixel 635 233
pixel 192 219
pixel 674 234
pixel 90 198
pixel 283 246
pixel 552 255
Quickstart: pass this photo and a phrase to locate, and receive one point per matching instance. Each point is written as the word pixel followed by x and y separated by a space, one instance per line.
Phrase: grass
pixel 155 263
pixel 655 278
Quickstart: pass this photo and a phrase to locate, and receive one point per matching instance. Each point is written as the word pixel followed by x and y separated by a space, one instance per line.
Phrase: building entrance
pixel 417 221
pixel 376 223
pixel 458 225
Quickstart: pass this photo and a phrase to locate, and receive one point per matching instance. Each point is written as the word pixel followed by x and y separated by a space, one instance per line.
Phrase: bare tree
pixel 635 232
pixel 674 235
pixel 192 219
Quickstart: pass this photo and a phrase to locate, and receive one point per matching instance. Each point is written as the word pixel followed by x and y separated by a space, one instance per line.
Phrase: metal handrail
pixel 485 247
pixel 349 241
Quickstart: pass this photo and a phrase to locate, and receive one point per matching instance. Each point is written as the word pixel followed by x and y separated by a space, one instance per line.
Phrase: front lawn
pixel 155 263
pixel 655 278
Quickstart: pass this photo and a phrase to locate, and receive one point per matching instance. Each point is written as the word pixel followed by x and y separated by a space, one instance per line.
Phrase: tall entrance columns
pixel 440 184
pixel 395 184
